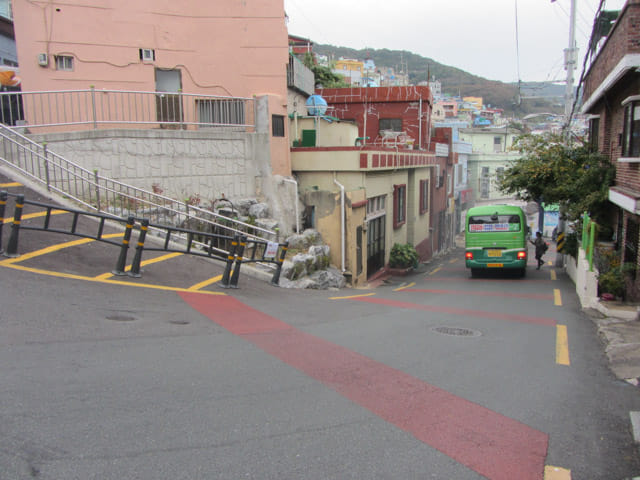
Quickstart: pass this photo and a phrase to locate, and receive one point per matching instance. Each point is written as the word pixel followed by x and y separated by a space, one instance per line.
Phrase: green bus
pixel 496 238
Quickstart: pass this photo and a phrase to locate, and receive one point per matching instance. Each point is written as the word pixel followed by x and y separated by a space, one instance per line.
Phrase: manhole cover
pixel 178 322
pixel 121 318
pixel 455 331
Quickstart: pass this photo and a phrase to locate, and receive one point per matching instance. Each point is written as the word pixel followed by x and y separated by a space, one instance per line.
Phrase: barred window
pixel 221 112
pixel 277 125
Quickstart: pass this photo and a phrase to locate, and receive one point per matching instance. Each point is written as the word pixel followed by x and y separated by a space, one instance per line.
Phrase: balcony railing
pixel 93 108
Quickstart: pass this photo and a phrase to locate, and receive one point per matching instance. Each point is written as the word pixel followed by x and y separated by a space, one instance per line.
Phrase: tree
pixel 553 171
pixel 323 76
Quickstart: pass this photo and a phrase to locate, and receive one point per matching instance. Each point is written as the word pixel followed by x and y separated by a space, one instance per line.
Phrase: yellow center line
pixel 432 272
pixel 35 215
pixel 98 280
pixel 206 283
pixel 405 286
pixel 352 296
pixel 553 275
pixel 556 473
pixel 54 248
pixel 557 298
pixel 562 345
pixel 11 184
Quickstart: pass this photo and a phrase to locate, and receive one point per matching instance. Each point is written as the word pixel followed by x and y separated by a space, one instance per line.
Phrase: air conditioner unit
pixel 43 59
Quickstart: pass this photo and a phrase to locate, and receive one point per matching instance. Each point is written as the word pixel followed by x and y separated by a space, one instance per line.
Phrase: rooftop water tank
pixel 316 105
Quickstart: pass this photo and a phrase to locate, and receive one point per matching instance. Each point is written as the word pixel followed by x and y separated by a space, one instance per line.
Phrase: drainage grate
pixel 455 331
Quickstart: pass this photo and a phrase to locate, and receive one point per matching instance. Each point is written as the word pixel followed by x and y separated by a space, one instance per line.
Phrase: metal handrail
pixel 98 107
pixel 109 196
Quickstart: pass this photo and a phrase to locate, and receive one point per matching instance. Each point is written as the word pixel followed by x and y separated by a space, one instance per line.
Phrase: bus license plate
pixel 494 253
pixel 495 265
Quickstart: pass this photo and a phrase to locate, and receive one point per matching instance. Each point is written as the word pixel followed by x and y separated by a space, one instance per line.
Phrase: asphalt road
pixel 435 375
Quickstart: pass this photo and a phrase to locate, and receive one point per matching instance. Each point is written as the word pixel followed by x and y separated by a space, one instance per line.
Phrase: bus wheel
pixel 475 273
pixel 523 272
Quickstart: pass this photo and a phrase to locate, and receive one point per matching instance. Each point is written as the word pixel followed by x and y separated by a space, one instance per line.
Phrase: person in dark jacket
pixel 541 248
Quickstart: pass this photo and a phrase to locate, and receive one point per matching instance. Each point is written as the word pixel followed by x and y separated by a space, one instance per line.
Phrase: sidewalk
pixel 619 328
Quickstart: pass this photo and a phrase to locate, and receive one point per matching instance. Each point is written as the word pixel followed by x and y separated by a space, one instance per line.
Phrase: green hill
pixel 454 80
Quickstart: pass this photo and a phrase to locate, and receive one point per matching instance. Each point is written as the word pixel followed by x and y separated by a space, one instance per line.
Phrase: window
pixel 631 130
pixel 375 206
pixel 399 205
pixel 225 112
pixel 497 144
pixel 393 124
pixel 147 54
pixel 424 196
pixel 64 62
pixel 499 172
pixel 277 125
pixel 594 132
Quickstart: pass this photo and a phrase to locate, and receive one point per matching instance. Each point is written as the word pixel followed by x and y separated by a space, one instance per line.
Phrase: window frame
pixel 64 63
pixel 424 196
pixel 399 205
pixel 277 125
pixel 631 145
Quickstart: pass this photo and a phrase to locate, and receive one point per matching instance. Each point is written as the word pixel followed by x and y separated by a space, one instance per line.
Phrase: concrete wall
pixel 183 164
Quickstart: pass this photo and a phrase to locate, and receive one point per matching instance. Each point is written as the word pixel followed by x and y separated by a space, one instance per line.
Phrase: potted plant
pixel 402 259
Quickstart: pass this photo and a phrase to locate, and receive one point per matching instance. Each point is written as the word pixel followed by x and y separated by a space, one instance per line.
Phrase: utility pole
pixel 570 64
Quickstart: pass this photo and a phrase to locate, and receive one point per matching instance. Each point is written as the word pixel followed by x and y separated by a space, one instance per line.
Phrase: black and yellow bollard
pixel 233 283
pixel 12 247
pixel 135 265
pixel 122 259
pixel 276 275
pixel 3 205
pixel 224 283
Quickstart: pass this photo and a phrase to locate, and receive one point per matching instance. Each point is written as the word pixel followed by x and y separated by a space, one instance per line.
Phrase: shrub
pixel 403 256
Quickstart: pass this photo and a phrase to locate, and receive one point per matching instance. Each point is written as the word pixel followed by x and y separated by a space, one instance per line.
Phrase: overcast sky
pixel 478 36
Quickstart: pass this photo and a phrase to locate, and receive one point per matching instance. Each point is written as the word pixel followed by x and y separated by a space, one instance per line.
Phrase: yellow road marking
pixel 553 275
pixel 556 473
pixel 435 271
pixel 453 260
pixel 11 184
pixel 98 280
pixel 206 283
pixel 405 286
pixel 557 298
pixel 352 296
pixel 161 258
pixel 54 248
pixel 35 215
pixel 562 345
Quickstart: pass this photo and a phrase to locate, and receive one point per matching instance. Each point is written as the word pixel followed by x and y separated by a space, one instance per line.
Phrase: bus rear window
pixel 494 223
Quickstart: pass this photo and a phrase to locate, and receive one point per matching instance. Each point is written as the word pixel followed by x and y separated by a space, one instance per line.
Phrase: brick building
pixel 612 99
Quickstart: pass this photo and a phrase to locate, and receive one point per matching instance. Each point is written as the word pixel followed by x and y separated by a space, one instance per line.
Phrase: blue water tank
pixel 316 105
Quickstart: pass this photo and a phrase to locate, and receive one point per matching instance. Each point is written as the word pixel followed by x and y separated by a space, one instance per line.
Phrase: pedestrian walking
pixel 541 248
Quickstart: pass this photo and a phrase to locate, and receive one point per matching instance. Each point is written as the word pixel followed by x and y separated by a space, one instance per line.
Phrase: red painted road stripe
pixel 534 296
pixel 491 444
pixel 485 279
pixel 459 311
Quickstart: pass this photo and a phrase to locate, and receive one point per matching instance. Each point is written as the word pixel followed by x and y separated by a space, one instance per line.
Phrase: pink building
pixel 230 49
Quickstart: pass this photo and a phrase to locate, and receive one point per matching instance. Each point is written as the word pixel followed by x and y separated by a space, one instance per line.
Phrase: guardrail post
pixel 135 265
pixel 276 275
pixel 97 180
pixel 119 270
pixel 46 166
pixel 233 283
pixel 3 205
pixel 93 107
pixel 592 241
pixel 230 258
pixel 12 247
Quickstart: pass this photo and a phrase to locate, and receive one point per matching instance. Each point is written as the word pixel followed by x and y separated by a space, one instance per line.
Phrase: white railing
pixel 95 108
pixel 112 197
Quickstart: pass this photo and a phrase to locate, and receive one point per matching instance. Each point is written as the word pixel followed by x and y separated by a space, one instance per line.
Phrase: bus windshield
pixel 494 223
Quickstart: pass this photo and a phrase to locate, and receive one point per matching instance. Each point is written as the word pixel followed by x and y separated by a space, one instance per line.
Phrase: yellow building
pixel 363 199
pixel 475 102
